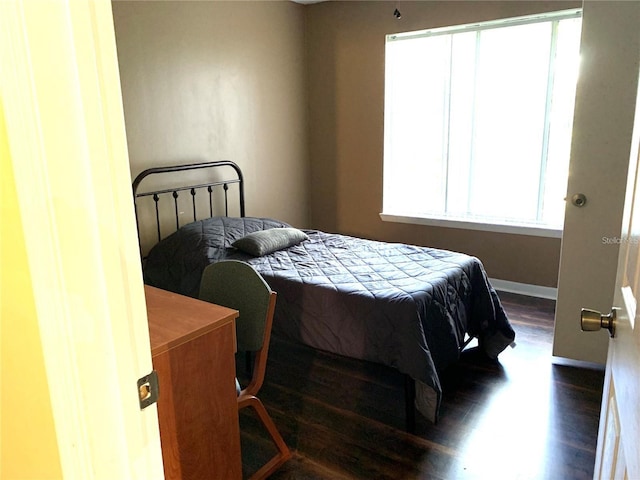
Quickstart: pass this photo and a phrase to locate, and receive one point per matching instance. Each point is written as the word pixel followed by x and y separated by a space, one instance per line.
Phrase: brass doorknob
pixel 592 321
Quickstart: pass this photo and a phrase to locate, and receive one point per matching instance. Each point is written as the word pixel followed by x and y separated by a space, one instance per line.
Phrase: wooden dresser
pixel 193 345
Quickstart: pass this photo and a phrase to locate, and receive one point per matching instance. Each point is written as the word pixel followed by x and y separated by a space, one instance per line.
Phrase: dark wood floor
pixel 520 418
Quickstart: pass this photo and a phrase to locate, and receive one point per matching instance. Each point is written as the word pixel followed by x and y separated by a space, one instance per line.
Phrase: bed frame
pixel 193 189
pixel 208 187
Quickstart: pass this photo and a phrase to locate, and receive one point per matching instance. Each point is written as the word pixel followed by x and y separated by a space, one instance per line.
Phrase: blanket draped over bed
pixel 404 306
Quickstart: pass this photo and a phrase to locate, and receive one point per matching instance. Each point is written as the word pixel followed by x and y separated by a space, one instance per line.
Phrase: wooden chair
pixel 237 285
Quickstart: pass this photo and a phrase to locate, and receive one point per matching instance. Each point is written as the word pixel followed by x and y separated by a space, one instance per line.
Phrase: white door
pixel 64 144
pixel 618 454
pixel 602 131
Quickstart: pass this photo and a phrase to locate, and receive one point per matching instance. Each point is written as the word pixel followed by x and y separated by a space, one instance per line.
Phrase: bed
pixel 408 307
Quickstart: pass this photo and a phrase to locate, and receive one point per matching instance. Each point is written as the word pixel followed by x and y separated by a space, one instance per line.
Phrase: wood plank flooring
pixel 522 417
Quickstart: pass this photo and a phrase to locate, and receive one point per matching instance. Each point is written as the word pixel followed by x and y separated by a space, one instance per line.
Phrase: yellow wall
pixel 27 435
pixel 73 309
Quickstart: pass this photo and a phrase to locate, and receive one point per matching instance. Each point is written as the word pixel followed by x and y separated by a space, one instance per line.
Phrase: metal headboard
pixel 192 189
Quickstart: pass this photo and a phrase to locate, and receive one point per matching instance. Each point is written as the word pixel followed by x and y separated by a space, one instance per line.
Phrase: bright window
pixel 478 120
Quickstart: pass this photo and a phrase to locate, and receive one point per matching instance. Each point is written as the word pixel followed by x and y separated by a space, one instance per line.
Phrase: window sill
pixel 466 224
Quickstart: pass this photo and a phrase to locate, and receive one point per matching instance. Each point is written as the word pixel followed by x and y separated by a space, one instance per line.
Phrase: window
pixel 478 120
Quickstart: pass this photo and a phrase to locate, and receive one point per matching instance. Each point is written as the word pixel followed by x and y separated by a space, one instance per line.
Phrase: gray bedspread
pixel 404 306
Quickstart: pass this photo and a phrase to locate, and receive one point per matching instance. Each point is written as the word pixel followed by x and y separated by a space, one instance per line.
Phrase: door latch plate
pixel 148 389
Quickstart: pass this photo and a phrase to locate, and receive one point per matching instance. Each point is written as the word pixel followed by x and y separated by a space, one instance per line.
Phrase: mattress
pixel 404 306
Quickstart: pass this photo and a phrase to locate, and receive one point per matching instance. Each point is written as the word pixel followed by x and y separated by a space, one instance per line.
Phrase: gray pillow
pixel 268 241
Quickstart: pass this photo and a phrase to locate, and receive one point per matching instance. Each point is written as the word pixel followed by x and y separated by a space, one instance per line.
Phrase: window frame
pixel 469 222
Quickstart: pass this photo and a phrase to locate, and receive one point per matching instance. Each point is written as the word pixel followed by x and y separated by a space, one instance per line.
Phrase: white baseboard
pixel 570 362
pixel 524 289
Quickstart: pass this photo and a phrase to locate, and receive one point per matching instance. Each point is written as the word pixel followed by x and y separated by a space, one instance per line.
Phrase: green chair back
pixel 235 284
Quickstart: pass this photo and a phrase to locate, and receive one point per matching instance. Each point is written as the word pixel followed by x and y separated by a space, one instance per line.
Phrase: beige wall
pixel 219 80
pixel 228 80
pixel 346 97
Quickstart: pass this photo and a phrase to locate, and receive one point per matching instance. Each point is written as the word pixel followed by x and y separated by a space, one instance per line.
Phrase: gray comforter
pixel 401 305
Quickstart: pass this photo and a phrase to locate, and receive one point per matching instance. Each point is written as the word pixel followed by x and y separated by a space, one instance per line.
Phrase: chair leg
pixel 284 453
